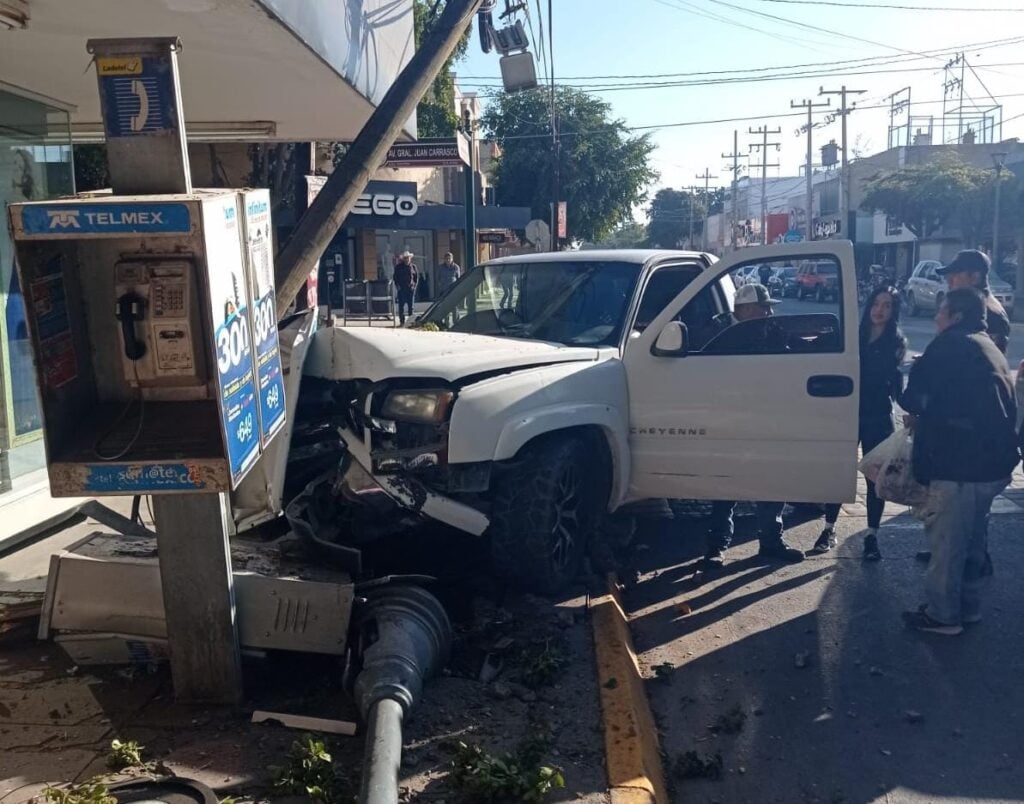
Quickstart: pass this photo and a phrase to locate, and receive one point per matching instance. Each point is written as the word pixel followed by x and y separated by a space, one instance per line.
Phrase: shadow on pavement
pixel 828 697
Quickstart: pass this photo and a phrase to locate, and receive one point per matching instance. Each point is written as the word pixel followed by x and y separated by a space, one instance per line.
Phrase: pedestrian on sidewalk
pixel 963 414
pixel 448 273
pixel 882 350
pixel 969 269
pixel 406 277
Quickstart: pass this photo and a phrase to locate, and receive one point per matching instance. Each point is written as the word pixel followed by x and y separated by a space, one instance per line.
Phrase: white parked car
pixel 530 411
pixel 925 289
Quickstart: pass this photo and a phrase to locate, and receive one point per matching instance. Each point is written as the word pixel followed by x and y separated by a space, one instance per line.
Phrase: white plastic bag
pixel 895 481
pixel 871 464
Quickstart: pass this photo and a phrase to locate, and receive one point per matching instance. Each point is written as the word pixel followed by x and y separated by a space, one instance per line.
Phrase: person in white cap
pixel 406 277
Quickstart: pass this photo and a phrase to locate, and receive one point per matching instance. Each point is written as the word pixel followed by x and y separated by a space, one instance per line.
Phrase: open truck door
pixel 761 409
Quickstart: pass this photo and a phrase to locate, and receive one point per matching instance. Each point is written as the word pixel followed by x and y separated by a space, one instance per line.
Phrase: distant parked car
pixel 783 283
pixel 925 289
pixel 817 280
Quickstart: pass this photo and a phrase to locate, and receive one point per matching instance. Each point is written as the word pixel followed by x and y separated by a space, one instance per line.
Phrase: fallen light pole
pixel 403 635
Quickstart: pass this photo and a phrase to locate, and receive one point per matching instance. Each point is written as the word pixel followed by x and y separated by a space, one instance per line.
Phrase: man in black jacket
pixel 961 400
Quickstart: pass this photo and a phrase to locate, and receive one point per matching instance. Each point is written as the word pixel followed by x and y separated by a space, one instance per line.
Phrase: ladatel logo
pixel 63 218
pixel 386 204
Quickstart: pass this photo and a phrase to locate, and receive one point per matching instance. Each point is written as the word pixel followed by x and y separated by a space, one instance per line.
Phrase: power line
pixel 808 26
pixel 896 6
pixel 836 73
pixel 690 123
pixel 864 61
pixel 687 7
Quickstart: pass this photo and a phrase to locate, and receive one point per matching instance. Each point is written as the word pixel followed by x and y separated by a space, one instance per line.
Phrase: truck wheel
pixel 542 511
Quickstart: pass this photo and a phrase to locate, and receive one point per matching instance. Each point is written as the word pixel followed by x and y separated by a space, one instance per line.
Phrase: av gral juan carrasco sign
pixel 440 152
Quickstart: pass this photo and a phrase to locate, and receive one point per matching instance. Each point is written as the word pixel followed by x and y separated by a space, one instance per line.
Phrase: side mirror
pixel 673 341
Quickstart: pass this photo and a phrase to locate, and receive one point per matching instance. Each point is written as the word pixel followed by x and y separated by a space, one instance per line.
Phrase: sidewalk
pixel 800 684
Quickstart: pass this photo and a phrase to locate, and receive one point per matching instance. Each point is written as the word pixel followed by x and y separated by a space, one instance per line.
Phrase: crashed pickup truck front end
pixel 388 396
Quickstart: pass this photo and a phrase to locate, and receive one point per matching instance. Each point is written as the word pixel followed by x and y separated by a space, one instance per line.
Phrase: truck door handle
pixel 830 385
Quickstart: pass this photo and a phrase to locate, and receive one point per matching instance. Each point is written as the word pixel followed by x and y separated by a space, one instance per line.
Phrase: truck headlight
pixel 418 406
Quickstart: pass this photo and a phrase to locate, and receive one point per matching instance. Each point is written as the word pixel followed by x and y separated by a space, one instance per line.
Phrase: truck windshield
pixel 573 302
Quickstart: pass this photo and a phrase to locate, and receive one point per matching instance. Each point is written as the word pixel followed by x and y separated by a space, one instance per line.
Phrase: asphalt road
pixel 919 331
pixel 805 682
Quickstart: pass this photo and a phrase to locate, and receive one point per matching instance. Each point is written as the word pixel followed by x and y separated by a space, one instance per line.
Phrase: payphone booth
pixel 152 318
pixel 150 309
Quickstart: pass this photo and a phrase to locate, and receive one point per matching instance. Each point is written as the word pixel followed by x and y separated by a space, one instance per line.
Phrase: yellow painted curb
pixel 632 753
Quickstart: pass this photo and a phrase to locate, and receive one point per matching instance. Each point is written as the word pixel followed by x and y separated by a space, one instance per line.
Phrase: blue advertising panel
pixel 103 218
pixel 270 377
pixel 230 311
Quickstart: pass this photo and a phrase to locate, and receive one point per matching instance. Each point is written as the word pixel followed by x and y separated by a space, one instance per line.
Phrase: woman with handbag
pixel 882 349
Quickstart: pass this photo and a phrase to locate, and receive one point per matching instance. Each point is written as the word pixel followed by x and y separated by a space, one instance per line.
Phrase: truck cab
pixel 544 393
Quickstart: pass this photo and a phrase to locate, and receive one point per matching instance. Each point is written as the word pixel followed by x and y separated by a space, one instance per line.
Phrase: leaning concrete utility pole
pixel 845 230
pixel 810 106
pixel 328 211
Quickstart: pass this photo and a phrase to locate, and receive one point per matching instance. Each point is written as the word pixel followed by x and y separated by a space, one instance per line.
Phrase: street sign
pixel 439 152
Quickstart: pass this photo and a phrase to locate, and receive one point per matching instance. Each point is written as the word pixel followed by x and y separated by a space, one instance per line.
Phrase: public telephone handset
pixel 131 307
pixel 161 335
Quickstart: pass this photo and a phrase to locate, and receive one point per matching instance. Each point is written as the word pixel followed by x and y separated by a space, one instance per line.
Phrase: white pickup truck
pixel 543 393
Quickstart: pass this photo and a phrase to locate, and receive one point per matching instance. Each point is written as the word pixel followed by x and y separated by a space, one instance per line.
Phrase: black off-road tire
pixel 543 510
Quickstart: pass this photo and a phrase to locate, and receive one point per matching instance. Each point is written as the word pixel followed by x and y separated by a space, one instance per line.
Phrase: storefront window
pixel 35 164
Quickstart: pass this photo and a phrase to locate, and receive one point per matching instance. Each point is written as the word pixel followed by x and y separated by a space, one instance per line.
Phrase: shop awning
pixel 250 69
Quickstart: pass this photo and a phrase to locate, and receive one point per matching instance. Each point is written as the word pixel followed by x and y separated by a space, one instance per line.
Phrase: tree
pixel 604 172
pixel 925 198
pixel 436 115
pixel 669 215
pixel 628 235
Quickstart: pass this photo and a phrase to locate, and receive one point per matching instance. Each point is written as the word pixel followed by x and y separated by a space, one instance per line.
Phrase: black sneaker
pixel 871 551
pixel 924 556
pixel 920 620
pixel 713 560
pixel 780 551
pixel 826 541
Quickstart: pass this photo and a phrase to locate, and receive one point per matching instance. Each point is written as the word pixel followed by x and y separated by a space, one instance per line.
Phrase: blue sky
pixel 630 37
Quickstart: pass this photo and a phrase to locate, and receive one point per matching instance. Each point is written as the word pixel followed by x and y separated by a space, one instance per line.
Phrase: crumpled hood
pixel 342 353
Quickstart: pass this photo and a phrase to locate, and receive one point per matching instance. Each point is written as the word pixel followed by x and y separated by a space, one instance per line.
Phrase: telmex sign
pixel 386 204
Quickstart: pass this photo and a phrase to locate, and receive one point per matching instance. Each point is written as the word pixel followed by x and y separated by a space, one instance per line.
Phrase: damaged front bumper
pixel 403 492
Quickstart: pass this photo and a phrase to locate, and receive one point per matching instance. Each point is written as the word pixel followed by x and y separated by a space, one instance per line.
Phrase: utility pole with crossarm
pixel 844 171
pixel 764 131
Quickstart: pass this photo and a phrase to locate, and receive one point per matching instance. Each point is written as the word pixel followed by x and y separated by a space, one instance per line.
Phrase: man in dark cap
pixel 969 269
